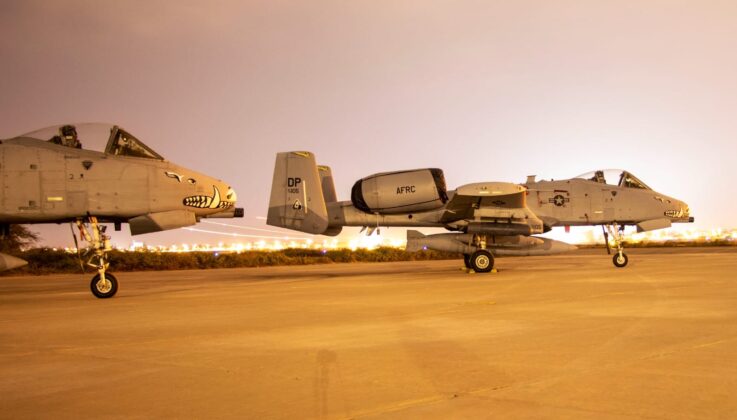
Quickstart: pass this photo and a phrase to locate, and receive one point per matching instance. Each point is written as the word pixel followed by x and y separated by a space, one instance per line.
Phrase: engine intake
pixel 400 192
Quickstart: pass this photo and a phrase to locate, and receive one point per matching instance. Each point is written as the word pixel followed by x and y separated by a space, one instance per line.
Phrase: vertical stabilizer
pixel 297 201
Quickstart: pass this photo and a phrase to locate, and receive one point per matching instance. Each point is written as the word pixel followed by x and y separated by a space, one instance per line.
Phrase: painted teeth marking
pixel 199 201
pixel 206 201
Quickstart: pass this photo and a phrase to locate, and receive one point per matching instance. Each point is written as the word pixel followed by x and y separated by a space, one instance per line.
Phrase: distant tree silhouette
pixel 20 237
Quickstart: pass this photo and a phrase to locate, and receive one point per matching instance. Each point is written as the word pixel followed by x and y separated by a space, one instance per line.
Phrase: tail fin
pixel 297 201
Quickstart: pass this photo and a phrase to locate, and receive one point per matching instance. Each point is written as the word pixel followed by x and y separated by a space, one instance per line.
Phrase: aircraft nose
pixel 679 211
pixel 231 195
pixel 686 212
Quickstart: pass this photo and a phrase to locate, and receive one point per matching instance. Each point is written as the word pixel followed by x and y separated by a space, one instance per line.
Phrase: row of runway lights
pixel 375 241
pixel 666 235
pixel 369 243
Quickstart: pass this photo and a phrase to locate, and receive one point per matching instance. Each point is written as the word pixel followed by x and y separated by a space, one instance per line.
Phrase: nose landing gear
pixel 617 232
pixel 103 284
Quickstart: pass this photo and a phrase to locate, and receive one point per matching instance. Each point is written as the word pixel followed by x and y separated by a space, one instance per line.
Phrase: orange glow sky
pixel 488 91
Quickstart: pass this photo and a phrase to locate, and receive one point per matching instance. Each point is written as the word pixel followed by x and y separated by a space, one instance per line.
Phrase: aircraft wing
pixel 492 208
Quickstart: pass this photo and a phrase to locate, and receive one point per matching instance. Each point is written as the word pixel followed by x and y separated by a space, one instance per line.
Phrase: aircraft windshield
pixel 122 143
pixel 95 136
pixel 616 177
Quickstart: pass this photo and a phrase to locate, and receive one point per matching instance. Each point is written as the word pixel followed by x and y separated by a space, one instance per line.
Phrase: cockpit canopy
pixel 616 177
pixel 121 143
pixel 117 141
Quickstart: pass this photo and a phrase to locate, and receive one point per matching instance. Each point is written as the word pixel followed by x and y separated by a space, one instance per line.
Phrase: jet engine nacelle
pixel 400 192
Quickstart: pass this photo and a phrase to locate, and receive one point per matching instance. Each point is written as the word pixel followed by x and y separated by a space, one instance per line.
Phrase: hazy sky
pixel 486 90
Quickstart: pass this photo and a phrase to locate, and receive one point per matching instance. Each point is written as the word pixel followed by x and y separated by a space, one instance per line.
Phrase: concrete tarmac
pixel 547 337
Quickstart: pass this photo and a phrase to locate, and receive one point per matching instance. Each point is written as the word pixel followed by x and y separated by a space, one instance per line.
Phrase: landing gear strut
pixel 617 232
pixel 103 285
pixel 481 261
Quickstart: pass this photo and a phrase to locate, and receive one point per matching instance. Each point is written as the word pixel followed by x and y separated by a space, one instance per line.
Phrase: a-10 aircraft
pixel 486 219
pixel 47 177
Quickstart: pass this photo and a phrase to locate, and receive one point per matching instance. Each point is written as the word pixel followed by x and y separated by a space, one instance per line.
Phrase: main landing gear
pixel 103 285
pixel 617 232
pixel 481 261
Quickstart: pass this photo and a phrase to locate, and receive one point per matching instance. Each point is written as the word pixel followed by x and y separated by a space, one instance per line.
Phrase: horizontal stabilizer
pixel 9 262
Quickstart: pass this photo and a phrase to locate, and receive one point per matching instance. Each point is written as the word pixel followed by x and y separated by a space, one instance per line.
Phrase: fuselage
pixel 580 202
pixel 43 182
pixel 571 202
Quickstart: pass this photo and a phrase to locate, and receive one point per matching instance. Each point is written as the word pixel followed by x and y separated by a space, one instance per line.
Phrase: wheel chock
pixel 471 270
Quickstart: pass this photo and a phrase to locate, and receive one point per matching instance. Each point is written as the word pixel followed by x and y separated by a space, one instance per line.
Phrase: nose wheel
pixel 620 259
pixel 617 233
pixel 104 287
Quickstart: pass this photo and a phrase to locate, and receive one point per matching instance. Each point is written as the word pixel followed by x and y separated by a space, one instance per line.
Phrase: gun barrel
pixel 227 214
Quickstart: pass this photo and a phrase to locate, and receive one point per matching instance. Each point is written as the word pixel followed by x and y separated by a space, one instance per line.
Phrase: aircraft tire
pixel 482 261
pixel 467 260
pixel 620 261
pixel 102 292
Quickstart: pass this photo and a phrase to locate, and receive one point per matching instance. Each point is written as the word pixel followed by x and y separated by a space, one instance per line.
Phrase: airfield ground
pixel 547 337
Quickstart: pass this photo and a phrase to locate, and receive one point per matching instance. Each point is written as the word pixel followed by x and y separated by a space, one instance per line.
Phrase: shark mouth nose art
pixel 206 201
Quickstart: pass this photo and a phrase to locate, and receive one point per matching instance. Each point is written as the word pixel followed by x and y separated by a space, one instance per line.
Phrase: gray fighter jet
pixel 47 177
pixel 487 218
